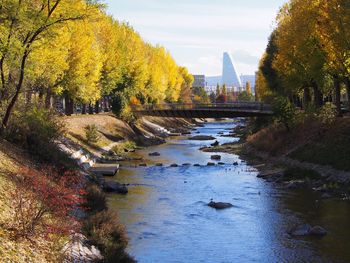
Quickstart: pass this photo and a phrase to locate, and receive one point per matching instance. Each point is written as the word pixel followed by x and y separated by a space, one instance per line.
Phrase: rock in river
pixel 114 187
pixel 174 165
pixel 202 138
pixel 216 157
pixel 216 143
pixel 318 231
pixel 210 164
pixel 154 154
pixel 296 184
pixel 302 230
pixel 220 205
pixel 308 230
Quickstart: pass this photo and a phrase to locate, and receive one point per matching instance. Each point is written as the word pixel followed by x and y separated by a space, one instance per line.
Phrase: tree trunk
pixel 40 98
pixel 97 107
pixel 69 105
pixel 48 104
pixel 337 95
pixel 347 83
pixel 318 96
pixel 307 98
pixel 83 110
pixel 13 101
pixel 91 109
pixel 105 104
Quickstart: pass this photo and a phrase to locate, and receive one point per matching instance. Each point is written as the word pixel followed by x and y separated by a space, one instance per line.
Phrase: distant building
pixel 229 74
pixel 199 81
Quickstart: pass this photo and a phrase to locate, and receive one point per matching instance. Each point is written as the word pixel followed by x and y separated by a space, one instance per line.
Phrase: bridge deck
pixel 227 110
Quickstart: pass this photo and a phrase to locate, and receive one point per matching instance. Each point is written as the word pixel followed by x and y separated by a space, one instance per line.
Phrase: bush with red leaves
pixel 43 202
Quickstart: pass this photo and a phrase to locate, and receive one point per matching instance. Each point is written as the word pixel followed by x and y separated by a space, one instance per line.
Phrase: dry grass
pixel 110 130
pixel 37 250
pixel 309 141
pixel 276 140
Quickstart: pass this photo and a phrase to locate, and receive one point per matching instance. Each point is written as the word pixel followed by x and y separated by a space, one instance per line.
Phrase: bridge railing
pixel 258 106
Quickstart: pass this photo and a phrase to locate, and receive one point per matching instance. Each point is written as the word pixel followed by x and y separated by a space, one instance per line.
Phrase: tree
pixel 218 90
pixel 300 61
pixel 186 87
pixel 245 96
pixel 224 90
pixel 22 25
pixel 47 64
pixel 200 96
pixel 81 80
pixel 334 32
pixel 248 87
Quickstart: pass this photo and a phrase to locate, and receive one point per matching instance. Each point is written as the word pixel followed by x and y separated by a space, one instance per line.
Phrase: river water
pixel 167 219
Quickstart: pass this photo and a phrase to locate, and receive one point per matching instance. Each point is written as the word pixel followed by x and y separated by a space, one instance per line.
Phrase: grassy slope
pixel 330 147
pixel 112 130
pixel 11 158
pixel 308 142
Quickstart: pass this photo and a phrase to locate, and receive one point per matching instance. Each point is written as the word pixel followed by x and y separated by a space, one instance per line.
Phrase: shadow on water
pixel 168 220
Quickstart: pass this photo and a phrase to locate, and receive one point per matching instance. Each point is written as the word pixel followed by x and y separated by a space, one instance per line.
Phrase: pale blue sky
pixel 197 32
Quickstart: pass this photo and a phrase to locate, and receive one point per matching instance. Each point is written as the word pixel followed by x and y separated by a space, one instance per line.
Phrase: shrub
pixel 37 130
pixel 43 202
pixel 245 96
pixel 91 133
pixel 95 199
pixel 285 112
pixel 127 145
pixel 327 113
pixel 104 231
pixel 119 102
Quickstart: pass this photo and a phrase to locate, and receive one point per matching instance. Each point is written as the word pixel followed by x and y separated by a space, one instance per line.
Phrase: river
pixel 167 219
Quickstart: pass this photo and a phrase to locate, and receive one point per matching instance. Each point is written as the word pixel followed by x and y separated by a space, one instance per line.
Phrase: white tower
pixel 229 74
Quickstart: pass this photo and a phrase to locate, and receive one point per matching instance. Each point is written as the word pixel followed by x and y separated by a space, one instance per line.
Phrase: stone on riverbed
pixel 296 184
pixel 210 164
pixel 202 138
pixel 216 143
pixel 174 165
pixel 302 230
pixel 221 163
pixel 154 154
pixel 235 163
pixel 114 187
pixel 186 164
pixel 318 231
pixel 220 205
pixel 308 230
pixel 216 157
pixel 197 165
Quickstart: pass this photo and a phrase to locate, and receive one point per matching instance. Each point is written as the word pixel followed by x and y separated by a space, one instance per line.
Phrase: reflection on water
pixel 167 218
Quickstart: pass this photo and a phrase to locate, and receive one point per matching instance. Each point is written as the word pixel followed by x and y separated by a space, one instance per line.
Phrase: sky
pixel 197 32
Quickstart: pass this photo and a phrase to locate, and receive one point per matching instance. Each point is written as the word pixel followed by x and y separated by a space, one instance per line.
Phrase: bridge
pixel 215 110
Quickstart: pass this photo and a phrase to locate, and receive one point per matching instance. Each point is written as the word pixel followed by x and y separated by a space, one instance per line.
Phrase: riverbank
pixel 112 131
pixel 295 159
pixel 38 249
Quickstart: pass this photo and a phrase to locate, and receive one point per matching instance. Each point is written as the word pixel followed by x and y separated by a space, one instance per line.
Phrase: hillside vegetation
pixel 37 249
